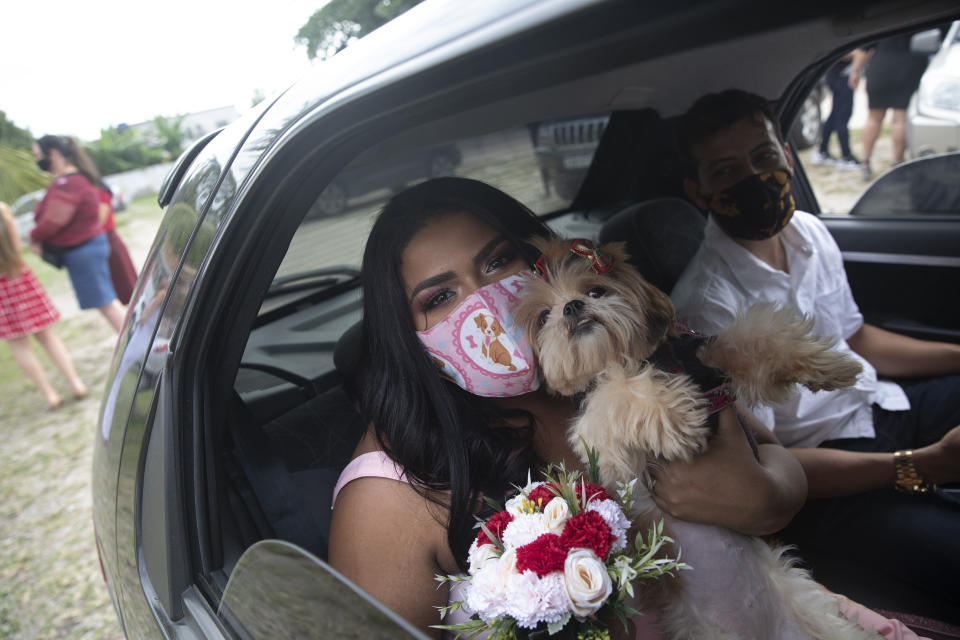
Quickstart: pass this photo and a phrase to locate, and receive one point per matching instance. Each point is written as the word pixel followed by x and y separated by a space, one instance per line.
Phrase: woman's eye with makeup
pixel 436 299
pixel 500 260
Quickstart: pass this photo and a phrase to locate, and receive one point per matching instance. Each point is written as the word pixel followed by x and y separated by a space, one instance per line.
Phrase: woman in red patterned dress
pixel 26 310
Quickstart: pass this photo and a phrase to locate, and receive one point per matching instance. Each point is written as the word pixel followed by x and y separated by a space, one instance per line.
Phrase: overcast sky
pixel 73 68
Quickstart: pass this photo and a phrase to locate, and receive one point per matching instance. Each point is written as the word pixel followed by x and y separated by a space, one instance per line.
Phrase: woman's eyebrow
pixel 487 249
pixel 431 282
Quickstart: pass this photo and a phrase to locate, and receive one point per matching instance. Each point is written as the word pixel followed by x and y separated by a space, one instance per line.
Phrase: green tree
pixel 333 27
pixel 170 135
pixel 122 150
pixel 13 136
pixel 19 173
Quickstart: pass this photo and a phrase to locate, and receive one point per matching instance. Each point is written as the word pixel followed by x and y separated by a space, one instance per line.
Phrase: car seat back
pixel 662 235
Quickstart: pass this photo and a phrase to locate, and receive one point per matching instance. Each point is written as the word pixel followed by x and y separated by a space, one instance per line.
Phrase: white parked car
pixel 933 118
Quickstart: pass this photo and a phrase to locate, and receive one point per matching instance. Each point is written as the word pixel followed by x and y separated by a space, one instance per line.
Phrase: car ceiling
pixel 765 63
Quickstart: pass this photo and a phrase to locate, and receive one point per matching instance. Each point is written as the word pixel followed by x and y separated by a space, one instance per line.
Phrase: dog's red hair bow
pixel 601 263
pixel 540 268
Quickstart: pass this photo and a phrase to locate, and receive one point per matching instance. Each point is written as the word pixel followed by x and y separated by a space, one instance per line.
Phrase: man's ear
pixel 788 152
pixel 692 189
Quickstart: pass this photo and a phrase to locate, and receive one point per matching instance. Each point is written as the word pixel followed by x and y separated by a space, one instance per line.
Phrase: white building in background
pixel 195 125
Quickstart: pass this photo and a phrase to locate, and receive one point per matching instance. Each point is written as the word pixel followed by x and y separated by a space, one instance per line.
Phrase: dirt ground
pixel 50 580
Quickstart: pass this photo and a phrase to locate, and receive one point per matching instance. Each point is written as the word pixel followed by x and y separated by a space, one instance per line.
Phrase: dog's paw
pixel 829 370
pixel 632 419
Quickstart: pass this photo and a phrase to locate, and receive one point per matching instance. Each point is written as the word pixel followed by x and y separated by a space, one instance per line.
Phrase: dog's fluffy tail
pixel 768 350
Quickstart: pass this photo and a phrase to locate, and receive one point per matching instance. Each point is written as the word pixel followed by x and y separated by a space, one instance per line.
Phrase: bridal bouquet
pixel 556 555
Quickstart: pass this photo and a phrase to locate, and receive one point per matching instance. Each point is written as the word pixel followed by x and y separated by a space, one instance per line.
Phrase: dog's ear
pixel 479 320
pixel 661 314
pixel 496 327
pixel 615 250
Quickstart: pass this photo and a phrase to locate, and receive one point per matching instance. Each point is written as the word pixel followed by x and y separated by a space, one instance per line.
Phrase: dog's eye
pixel 542 319
pixel 597 292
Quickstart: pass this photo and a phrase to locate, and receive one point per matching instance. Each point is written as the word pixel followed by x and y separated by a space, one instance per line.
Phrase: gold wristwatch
pixel 909 479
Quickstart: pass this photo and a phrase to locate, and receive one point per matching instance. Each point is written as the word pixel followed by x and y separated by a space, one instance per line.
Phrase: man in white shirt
pixel 872 452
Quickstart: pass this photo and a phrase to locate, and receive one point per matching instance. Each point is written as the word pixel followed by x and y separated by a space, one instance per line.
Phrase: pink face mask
pixel 478 347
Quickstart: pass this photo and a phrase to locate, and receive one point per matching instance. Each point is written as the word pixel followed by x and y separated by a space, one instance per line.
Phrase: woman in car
pixel 68 225
pixel 405 506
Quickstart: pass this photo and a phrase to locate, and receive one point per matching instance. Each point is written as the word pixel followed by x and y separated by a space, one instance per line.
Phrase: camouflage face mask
pixel 755 208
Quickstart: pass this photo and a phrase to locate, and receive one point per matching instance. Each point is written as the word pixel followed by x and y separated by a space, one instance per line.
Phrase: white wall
pixel 138 182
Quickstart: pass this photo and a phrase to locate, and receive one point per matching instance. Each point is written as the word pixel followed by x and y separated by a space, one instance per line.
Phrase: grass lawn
pixel 50 581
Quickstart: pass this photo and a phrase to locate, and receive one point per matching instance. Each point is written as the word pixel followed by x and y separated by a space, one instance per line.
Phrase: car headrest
pixel 662 235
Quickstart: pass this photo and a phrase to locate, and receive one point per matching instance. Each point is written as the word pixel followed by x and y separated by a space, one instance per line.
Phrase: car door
pixel 901 246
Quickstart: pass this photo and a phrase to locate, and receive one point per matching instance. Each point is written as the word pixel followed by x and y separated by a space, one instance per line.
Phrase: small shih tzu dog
pixel 651 391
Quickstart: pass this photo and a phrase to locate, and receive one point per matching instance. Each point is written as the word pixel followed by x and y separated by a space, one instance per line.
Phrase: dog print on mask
pixel 490 345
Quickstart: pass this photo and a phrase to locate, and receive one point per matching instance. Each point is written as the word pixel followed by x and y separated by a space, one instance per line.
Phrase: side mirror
pixel 927 42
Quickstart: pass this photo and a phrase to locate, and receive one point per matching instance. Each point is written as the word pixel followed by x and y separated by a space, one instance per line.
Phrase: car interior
pixel 282 420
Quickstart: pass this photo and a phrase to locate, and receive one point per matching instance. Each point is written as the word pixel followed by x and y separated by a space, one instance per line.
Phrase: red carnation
pixel 496 524
pixel 594 492
pixel 542 495
pixel 588 529
pixel 544 555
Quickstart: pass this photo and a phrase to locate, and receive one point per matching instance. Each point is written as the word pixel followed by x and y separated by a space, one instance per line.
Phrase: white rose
pixel 555 515
pixel 587 581
pixel 480 556
pixel 507 566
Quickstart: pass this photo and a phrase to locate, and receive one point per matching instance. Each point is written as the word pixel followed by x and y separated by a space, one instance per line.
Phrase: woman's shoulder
pixel 371 464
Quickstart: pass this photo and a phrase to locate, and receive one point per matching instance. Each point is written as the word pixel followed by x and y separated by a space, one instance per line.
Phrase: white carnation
pixel 523 529
pixel 533 600
pixel 586 580
pixel 555 515
pixel 613 515
pixel 487 594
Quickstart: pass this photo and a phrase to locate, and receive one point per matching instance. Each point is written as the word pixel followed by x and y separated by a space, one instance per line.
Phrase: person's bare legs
pixel 25 357
pixel 871 131
pixel 113 312
pixel 898 134
pixel 60 357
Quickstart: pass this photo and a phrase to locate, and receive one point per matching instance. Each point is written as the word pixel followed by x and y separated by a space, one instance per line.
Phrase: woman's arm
pixel 56 215
pixel 384 537
pixel 6 216
pixel 729 487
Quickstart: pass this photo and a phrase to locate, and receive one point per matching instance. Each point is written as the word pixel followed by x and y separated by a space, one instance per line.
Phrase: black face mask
pixel 44 163
pixel 755 208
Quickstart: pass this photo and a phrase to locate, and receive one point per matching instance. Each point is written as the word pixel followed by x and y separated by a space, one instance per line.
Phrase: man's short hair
pixel 714 112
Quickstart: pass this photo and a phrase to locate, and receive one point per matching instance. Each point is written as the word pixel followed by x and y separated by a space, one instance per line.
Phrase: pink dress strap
pixel 373 464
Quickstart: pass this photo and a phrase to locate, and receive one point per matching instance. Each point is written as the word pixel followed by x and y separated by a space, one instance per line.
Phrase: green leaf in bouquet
pixel 490 502
pixel 469 629
pixel 593 465
pixel 555 627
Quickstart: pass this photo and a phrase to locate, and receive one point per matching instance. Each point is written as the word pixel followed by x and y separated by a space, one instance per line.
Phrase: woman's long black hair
pixel 444 437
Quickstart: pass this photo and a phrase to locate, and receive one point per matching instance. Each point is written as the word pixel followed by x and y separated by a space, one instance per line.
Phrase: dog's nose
pixel 573 308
